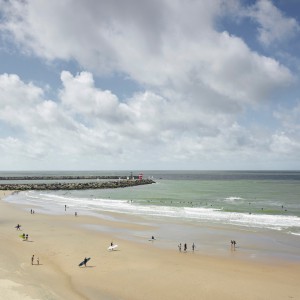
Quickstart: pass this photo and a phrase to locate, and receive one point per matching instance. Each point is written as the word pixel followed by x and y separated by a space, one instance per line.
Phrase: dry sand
pixel 135 271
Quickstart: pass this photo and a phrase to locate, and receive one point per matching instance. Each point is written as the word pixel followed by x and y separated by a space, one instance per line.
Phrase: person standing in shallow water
pixel 233 244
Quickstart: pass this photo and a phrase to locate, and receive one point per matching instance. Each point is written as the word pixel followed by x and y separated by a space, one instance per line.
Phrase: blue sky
pixel 137 85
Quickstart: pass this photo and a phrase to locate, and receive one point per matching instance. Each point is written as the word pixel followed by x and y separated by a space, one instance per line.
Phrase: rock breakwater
pixel 74 185
pixel 64 177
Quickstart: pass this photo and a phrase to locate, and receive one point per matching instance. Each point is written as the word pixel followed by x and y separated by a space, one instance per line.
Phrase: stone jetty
pixel 2 178
pixel 74 185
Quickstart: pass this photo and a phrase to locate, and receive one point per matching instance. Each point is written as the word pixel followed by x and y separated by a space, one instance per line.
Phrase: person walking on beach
pixel 65 207
pixel 185 247
pixel 179 247
pixel 233 243
pixel 38 261
pixel 32 259
pixel 26 237
pixel 18 227
pixel 193 247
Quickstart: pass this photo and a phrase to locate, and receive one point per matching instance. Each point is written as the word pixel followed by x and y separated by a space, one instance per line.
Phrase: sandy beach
pixel 134 271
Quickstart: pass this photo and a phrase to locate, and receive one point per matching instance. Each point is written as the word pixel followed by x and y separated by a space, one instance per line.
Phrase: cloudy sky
pixel 139 85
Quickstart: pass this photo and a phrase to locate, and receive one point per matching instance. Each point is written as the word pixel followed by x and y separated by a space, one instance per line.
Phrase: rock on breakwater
pixel 75 185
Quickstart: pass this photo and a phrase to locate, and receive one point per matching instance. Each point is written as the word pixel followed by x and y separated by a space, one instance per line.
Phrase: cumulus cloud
pixel 67 130
pixel 80 96
pixel 274 25
pixel 287 140
pixel 195 81
pixel 289 118
pixel 180 50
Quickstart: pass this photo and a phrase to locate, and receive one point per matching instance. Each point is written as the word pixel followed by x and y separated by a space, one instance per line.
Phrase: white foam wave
pixel 233 199
pixel 295 233
pixel 197 214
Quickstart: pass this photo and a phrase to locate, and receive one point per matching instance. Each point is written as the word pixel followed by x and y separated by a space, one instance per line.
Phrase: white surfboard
pixel 111 248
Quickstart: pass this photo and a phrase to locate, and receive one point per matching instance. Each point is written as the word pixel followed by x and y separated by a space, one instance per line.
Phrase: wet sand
pixel 135 271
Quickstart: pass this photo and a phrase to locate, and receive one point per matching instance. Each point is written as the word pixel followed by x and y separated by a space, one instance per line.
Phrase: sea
pixel 258 209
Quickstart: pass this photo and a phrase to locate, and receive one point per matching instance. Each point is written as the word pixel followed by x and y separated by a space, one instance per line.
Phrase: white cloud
pixel 289 118
pixel 196 82
pixel 80 96
pixel 283 144
pixel 274 25
pixel 14 92
pixel 163 45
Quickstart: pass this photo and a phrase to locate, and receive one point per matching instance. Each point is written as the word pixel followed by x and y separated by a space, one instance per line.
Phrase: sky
pixel 149 85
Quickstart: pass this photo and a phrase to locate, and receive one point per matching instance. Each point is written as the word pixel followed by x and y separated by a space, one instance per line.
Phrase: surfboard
pixel 112 247
pixel 21 236
pixel 151 240
pixel 82 263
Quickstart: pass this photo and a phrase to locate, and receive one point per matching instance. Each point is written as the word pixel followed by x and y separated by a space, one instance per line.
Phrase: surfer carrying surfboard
pixel 85 261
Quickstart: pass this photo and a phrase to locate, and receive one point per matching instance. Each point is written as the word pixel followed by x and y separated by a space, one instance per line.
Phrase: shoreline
pixel 136 271
pixel 261 244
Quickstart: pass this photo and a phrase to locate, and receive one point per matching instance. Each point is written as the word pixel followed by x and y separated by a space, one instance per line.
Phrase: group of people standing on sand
pixel 24 236
pixel 74 213
pixel 37 260
pixel 185 247
pixel 233 244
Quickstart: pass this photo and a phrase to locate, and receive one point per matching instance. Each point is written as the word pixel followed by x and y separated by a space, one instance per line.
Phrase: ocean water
pixel 187 204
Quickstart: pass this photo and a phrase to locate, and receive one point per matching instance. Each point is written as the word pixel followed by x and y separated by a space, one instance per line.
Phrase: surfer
pixel 85 261
pixel 18 227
